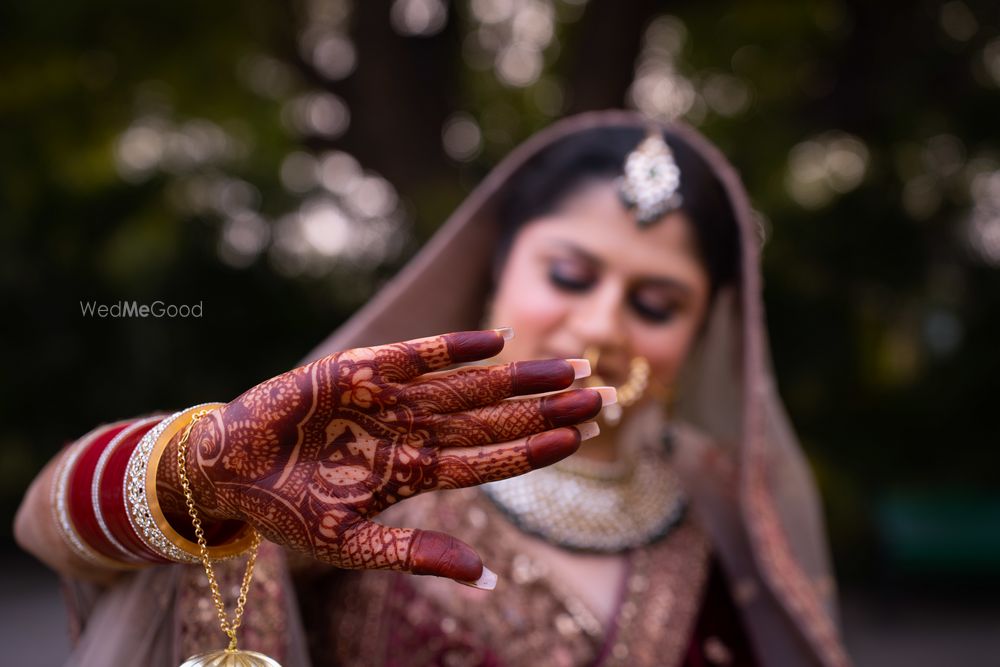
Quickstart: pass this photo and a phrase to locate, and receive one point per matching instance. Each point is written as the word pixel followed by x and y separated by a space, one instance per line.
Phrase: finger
pixel 399 362
pixel 460 467
pixel 479 386
pixel 368 545
pixel 513 419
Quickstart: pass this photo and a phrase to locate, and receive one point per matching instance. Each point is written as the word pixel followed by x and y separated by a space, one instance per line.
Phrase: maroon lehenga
pixel 670 611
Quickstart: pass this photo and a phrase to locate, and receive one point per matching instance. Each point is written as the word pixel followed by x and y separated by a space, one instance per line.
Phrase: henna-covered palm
pixel 311 456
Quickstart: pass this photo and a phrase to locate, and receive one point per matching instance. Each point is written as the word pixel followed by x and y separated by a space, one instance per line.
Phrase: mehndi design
pixel 311 456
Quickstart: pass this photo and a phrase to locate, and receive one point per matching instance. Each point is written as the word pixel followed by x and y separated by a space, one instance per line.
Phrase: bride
pixel 686 532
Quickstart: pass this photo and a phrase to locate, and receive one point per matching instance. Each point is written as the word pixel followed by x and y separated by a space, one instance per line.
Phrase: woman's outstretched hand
pixel 311 456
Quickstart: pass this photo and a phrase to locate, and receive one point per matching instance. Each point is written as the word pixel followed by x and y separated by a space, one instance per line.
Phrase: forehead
pixel 596 221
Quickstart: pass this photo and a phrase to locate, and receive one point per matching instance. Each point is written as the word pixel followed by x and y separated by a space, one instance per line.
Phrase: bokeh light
pixel 331 53
pixel 991 58
pixel 154 143
pixel 461 137
pixel 984 223
pixel 421 18
pixel 512 36
pixel 320 114
pixel 659 89
pixel 821 168
pixel 958 21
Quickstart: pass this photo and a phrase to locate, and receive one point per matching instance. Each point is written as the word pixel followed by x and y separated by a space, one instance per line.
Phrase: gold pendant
pixel 227 658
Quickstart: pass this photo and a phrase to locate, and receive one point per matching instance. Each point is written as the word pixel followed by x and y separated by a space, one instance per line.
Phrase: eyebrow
pixel 657 281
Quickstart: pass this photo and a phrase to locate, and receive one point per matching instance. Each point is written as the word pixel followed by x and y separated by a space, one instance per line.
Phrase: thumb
pixel 419 552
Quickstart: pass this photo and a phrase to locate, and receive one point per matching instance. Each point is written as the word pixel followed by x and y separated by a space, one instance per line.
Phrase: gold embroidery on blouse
pixel 529 619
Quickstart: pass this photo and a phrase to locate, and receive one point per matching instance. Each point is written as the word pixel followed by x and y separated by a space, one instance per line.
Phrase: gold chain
pixel 635 384
pixel 228 627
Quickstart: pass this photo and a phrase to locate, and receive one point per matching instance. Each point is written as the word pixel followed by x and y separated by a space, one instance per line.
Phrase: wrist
pixel 166 504
pixel 168 482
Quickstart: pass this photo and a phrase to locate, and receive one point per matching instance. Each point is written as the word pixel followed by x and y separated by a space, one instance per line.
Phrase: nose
pixel 599 319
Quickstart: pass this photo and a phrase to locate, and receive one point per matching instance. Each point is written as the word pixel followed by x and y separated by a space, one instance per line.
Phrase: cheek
pixel 666 349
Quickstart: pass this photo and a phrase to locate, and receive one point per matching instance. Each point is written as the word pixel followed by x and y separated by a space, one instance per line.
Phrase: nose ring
pixel 629 392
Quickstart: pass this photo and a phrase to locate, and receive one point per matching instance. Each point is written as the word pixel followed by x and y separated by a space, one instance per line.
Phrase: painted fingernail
pixel 541 375
pixel 506 332
pixel 570 407
pixel 609 395
pixel 487 581
pixel 443 555
pixel 588 430
pixel 547 448
pixel 581 368
pixel 473 345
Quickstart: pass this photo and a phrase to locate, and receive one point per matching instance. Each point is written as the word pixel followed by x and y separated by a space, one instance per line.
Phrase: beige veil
pixel 769 535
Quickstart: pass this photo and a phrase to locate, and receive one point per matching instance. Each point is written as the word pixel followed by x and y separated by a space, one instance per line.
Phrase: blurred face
pixel 588 276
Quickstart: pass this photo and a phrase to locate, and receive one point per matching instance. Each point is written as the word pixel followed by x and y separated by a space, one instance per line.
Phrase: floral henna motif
pixel 311 456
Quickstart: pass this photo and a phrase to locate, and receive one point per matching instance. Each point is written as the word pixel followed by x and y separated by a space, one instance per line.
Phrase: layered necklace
pixel 598 507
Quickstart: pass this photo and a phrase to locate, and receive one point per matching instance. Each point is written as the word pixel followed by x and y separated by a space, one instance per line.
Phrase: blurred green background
pixel 276 162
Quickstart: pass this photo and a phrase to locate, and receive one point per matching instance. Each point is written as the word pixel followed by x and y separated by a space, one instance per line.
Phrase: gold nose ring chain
pixel 629 392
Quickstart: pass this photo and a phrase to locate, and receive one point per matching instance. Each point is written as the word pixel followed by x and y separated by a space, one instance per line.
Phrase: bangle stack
pixel 105 504
pixel 77 532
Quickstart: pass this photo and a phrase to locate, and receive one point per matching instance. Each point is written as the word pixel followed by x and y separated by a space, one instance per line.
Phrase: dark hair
pixel 577 160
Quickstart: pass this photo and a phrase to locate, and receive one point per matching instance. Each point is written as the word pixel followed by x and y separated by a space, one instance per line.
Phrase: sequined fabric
pixel 397 620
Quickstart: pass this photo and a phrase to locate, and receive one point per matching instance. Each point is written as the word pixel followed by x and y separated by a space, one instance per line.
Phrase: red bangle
pixel 105 504
pixel 111 500
pixel 70 514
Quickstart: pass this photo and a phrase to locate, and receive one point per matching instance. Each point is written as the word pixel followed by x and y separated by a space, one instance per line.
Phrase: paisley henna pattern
pixel 311 456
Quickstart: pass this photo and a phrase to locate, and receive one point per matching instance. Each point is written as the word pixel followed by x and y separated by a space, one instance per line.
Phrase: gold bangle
pixel 144 507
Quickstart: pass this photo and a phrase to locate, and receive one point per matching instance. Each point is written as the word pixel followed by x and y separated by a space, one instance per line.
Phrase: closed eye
pixel 571 276
pixel 654 314
pixel 655 303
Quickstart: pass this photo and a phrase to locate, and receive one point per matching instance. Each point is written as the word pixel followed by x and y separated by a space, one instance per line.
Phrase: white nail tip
pixel 487 581
pixel 588 430
pixel 581 368
pixel 506 332
pixel 609 395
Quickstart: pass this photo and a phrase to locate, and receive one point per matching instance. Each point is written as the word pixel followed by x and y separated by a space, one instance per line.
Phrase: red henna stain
pixel 463 389
pixel 468 346
pixel 310 456
pixel 435 553
pixel 547 448
pixel 571 407
pixel 537 377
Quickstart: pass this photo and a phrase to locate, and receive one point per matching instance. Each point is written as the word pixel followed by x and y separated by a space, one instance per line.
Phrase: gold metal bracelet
pixel 144 509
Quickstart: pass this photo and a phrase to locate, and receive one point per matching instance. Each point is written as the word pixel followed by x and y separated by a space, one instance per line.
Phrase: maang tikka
pixel 651 181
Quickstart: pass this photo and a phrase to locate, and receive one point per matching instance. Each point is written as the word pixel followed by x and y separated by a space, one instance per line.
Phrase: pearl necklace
pixel 583 505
